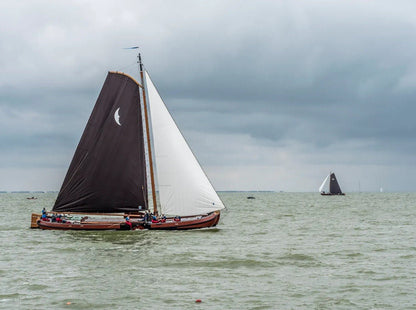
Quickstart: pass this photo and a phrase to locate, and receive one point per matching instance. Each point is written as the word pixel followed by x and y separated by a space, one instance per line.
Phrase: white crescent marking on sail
pixel 117 117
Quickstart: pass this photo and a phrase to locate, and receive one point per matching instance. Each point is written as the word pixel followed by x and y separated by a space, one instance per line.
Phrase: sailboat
pixel 129 141
pixel 330 186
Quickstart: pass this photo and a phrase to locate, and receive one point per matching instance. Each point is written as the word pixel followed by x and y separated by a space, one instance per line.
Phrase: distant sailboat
pixel 110 169
pixel 330 186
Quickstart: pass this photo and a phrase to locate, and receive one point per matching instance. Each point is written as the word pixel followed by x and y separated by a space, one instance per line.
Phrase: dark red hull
pixel 202 221
pixel 329 194
pixel 98 225
pixel 190 222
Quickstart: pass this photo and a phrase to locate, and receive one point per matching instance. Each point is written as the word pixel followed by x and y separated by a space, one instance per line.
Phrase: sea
pixel 277 251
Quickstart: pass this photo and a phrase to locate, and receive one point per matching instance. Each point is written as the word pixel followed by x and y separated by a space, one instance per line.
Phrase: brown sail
pixel 334 187
pixel 108 171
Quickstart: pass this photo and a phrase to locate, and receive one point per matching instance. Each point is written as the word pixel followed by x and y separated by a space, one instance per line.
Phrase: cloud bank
pixel 271 95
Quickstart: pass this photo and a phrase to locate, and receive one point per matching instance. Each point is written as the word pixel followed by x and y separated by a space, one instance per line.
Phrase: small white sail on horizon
pixel 325 184
pixel 332 188
pixel 184 188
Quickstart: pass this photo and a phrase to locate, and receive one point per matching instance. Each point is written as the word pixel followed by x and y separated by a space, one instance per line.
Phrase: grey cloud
pixel 293 77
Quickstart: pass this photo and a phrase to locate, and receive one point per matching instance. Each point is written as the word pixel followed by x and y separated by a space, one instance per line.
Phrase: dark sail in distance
pixel 108 171
pixel 333 185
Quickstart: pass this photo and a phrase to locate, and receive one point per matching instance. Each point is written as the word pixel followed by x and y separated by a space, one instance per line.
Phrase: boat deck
pixel 108 223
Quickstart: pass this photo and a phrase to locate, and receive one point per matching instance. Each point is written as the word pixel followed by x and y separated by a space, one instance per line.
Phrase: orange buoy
pixel 198 300
pixel 68 303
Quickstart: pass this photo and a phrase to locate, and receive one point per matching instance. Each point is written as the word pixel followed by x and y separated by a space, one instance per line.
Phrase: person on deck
pixel 154 219
pixel 128 222
pixel 146 216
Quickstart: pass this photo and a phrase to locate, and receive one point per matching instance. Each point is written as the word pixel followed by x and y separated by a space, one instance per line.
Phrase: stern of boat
pixel 34 220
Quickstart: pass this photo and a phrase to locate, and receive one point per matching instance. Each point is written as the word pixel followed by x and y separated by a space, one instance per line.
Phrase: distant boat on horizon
pixel 330 186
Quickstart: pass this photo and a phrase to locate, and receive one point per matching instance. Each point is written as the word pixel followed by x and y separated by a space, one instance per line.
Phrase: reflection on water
pixel 115 237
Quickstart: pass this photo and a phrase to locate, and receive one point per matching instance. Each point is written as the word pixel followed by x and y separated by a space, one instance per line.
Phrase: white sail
pixel 323 184
pixel 184 189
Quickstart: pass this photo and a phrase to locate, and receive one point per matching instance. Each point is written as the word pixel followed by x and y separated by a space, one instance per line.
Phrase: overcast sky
pixel 270 95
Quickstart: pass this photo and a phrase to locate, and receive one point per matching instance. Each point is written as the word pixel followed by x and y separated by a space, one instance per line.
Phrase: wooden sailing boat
pixel 330 186
pixel 108 173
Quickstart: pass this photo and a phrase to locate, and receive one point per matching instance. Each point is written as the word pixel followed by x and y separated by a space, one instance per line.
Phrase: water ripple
pixel 279 251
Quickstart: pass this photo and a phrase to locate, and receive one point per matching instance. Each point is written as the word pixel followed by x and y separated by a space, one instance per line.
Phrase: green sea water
pixel 278 251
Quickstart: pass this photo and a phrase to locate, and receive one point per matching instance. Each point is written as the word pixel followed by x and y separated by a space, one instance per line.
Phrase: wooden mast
pixel 152 178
